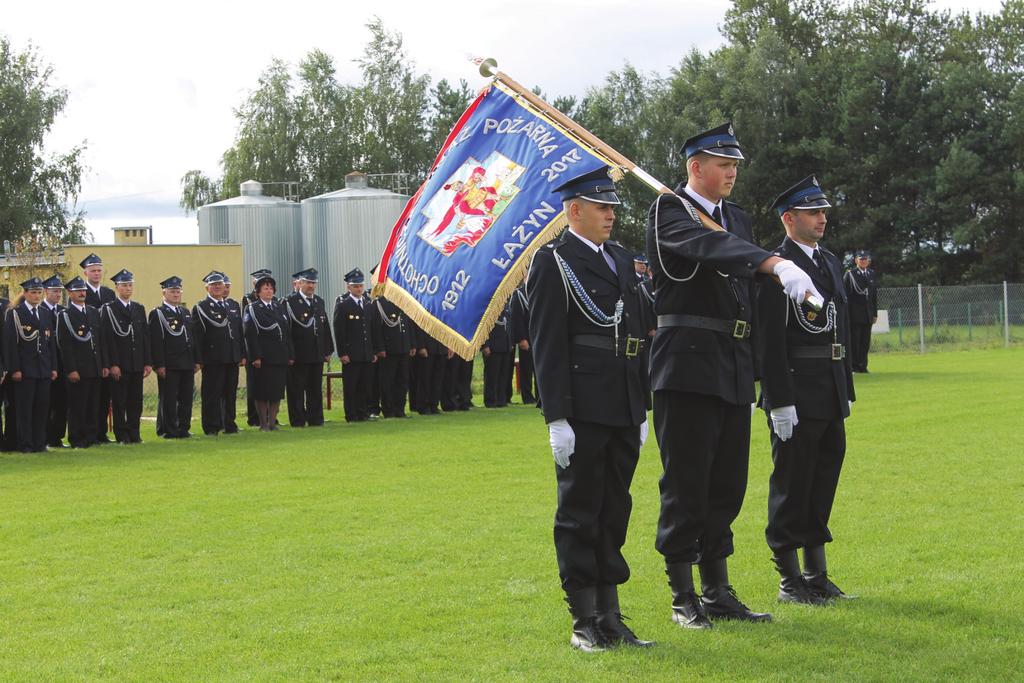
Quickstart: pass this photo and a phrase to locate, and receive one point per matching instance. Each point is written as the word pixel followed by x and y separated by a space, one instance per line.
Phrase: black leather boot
pixel 609 619
pixel 792 586
pixel 586 634
pixel 816 576
pixel 719 597
pixel 687 609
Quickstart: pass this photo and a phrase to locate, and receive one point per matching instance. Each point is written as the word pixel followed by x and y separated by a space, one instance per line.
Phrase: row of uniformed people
pixel 713 319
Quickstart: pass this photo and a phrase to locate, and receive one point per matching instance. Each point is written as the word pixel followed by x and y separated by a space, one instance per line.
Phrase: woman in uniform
pixel 269 349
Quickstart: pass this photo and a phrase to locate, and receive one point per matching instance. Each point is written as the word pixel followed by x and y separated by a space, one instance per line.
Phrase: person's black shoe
pixel 815 575
pixel 609 619
pixel 586 634
pixel 792 586
pixel 687 609
pixel 720 599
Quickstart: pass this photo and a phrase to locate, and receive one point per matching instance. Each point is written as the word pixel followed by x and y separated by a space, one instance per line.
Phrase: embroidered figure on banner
pixel 472 199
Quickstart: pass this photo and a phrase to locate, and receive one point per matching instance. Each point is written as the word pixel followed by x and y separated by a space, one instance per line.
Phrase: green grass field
pixel 421 549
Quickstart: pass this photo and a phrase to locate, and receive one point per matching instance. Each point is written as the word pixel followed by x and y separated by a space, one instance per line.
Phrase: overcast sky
pixel 152 89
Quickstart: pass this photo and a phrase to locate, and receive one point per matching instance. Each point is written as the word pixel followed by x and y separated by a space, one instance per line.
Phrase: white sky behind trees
pixel 152 89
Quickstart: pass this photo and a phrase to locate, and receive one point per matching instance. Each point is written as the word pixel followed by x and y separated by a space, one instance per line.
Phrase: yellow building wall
pixel 150 263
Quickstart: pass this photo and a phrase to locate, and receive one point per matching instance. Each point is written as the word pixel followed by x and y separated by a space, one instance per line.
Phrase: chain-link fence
pixel 940 318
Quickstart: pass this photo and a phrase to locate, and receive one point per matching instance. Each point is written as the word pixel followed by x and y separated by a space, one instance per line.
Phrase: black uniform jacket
pixel 422 340
pixel 863 307
pixel 96 300
pixel 218 332
pixel 500 338
pixel 577 381
pixel 33 352
pixel 519 315
pixel 80 342
pixel 126 335
pixel 173 346
pixel 392 332
pixel 717 269
pixel 311 332
pixel 820 388
pixel 353 332
pixel 268 335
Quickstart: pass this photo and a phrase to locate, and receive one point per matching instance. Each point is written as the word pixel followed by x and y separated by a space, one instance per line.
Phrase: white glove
pixel 562 440
pixel 644 429
pixel 783 421
pixel 795 281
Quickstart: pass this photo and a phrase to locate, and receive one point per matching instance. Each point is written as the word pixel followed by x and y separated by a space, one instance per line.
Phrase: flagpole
pixel 489 68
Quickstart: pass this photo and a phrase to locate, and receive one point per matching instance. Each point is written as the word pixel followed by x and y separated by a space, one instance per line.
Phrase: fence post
pixel 968 321
pixel 1006 315
pixel 920 315
pixel 899 321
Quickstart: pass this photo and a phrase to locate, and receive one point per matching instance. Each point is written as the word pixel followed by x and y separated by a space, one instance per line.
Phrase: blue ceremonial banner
pixel 465 239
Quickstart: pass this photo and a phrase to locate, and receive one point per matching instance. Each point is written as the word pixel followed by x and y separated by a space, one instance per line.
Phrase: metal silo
pixel 268 228
pixel 345 229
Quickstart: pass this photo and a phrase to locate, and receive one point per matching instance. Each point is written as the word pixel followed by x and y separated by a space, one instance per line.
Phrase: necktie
pixel 817 261
pixel 32 310
pixel 717 214
pixel 607 259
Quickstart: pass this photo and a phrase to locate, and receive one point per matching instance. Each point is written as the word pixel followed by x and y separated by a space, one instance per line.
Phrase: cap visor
pixel 602 198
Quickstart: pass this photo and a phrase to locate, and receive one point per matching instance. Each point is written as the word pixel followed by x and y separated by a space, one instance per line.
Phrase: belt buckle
pixel 741 329
pixel 632 347
pixel 838 352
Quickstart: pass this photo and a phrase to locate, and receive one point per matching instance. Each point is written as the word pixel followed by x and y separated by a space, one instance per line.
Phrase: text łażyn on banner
pixel 466 237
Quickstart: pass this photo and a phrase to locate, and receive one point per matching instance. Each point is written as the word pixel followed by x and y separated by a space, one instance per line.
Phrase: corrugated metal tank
pixel 345 229
pixel 268 228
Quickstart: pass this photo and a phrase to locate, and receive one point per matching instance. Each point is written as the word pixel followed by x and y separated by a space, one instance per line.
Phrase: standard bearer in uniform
pixel 30 357
pixel 131 360
pixel 807 391
pixel 587 336
pixel 313 344
pixel 862 292
pixel 703 263
pixel 174 358
pixel 96 295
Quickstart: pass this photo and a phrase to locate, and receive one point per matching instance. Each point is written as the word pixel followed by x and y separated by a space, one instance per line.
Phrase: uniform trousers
pixel 860 341
pixel 803 484
pixel 705 450
pixel 430 381
pixel 176 402
pixel 355 380
pixel 393 372
pixel 496 367
pixel 32 400
pixel 104 411
pixel 57 422
pixel 83 404
pixel 10 440
pixel 305 394
pixel 594 505
pixel 527 391
pixel 126 399
pixel 252 418
pixel 218 392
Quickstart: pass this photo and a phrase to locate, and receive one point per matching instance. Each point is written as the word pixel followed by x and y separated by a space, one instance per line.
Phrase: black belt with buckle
pixel 630 346
pixel 830 352
pixel 737 329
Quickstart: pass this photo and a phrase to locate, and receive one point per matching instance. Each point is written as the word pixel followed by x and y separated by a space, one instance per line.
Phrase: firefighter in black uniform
pixel 519 324
pixel 57 422
pixel 807 391
pixel 586 334
pixel 83 357
pixel 862 292
pixel 174 358
pixel 97 294
pixel 393 341
pixel 497 351
pixel 313 344
pixel 702 371
pixel 353 337
pixel 252 417
pixel 126 335
pixel 30 358
pixel 220 347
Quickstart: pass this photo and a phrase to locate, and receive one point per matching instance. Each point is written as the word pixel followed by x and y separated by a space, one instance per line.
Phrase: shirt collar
pixel 592 245
pixel 806 249
pixel 124 303
pixel 706 203
pixel 80 307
